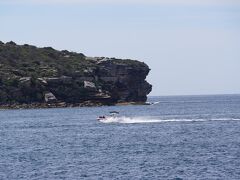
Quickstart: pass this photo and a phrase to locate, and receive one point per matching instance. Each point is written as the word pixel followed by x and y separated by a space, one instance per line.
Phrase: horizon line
pixel 195 95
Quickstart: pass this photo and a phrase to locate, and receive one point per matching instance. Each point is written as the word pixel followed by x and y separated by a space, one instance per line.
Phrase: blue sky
pixel 192 47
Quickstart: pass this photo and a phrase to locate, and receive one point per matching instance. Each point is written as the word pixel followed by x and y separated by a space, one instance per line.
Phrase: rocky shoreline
pixel 63 105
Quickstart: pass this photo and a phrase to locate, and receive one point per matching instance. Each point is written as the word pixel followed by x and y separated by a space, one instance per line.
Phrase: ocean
pixel 177 137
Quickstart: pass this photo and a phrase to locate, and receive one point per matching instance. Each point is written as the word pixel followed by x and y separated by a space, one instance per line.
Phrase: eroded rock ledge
pixel 33 77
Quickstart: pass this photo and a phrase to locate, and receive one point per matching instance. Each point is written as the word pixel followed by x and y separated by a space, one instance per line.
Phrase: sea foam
pixel 142 119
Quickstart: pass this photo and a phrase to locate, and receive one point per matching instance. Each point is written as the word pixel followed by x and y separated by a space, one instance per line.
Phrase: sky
pixel 191 46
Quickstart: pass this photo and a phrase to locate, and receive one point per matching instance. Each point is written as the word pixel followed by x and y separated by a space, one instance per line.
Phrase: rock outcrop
pixel 31 75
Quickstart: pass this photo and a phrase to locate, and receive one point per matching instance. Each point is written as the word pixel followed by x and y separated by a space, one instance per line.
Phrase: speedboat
pixel 113 114
pixel 101 118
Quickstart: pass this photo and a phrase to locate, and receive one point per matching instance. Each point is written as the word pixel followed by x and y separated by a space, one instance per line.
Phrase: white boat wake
pixel 133 120
pixel 153 103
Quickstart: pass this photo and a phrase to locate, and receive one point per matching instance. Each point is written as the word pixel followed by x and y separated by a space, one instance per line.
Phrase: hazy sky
pixel 192 47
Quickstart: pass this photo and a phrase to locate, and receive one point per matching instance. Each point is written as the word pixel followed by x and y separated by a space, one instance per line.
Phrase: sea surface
pixel 178 137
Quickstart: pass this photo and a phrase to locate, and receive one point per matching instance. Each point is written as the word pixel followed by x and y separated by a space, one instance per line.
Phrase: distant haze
pixel 192 47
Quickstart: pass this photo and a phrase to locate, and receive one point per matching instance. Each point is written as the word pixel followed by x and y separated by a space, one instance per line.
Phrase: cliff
pixel 47 77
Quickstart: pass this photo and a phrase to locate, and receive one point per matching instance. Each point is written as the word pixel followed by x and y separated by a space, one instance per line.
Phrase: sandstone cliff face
pixel 125 80
pixel 44 75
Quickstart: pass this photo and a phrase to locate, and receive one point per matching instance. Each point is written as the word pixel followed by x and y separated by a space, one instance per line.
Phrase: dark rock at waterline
pixel 30 75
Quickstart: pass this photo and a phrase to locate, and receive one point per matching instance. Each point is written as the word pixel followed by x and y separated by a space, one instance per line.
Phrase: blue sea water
pixel 181 137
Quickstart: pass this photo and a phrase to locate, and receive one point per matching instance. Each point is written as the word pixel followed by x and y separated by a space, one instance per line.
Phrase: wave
pixel 135 120
pixel 152 103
